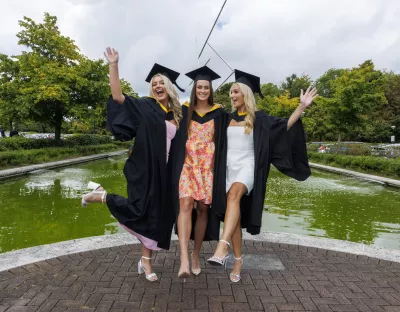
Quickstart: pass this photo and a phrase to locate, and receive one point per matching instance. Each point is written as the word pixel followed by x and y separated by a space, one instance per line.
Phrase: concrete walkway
pixel 279 274
pixel 275 277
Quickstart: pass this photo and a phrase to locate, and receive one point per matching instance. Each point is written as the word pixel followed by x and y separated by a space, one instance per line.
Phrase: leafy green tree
pixel 221 96
pixel 9 70
pixel 293 84
pixel 357 93
pixel 324 83
pixel 52 83
pixel 317 125
pixel 391 112
pixel 49 71
pixel 280 106
pixel 270 89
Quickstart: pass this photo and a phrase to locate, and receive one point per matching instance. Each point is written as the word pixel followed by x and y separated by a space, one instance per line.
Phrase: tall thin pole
pixel 212 29
pixel 224 81
pixel 219 56
pixel 195 42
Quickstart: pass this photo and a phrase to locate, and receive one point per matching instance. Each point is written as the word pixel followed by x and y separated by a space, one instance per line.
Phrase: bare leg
pixel 199 232
pixel 237 250
pixel 184 230
pixel 232 216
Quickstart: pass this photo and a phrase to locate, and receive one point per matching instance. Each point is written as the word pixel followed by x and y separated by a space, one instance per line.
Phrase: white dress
pixel 240 159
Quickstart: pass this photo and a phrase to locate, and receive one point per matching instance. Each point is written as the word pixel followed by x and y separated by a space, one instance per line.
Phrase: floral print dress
pixel 196 179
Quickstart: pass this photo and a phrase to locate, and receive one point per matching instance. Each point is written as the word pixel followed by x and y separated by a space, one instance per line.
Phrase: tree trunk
pixel 58 122
pixel 339 138
pixel 11 125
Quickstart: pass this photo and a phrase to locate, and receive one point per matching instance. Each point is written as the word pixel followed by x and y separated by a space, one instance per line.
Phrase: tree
pixel 293 84
pixel 48 72
pixel 324 83
pixel 357 93
pixel 53 83
pixel 221 96
pixel 316 124
pixel 270 89
pixel 391 112
pixel 280 106
pixel 9 69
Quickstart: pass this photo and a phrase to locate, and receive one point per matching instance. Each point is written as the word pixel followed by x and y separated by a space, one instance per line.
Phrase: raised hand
pixel 111 55
pixel 307 98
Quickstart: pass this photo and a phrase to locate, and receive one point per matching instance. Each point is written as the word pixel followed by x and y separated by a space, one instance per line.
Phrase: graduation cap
pixel 169 73
pixel 253 82
pixel 203 73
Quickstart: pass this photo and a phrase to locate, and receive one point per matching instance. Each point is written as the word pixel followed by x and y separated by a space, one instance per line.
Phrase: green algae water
pixel 44 207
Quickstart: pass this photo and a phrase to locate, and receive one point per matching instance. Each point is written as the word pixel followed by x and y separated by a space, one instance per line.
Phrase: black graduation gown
pixel 273 144
pixel 177 159
pixel 145 169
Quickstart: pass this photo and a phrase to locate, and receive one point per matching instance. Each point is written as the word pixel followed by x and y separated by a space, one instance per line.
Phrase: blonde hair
pixel 173 97
pixel 249 105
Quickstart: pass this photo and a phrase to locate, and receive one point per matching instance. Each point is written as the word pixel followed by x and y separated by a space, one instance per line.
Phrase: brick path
pixel 308 279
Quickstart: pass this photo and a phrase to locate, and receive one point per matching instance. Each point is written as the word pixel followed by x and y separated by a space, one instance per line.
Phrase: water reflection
pixel 44 207
pixel 335 207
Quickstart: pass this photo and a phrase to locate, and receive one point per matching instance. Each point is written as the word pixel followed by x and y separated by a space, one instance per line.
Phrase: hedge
pixel 10 159
pixel 369 164
pixel 21 143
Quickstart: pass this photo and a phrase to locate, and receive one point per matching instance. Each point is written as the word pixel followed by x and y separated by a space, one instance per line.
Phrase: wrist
pixel 113 63
pixel 301 107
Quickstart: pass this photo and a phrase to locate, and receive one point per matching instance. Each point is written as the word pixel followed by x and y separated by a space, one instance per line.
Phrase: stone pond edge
pixel 13 259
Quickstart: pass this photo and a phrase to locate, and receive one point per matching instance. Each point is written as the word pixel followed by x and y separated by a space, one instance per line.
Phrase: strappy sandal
pixel 152 277
pixel 214 260
pixel 94 186
pixel 236 277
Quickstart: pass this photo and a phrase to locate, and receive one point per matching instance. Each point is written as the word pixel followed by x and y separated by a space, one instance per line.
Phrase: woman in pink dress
pixel 152 121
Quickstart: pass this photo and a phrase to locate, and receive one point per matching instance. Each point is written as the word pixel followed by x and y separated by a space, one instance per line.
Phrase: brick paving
pixel 298 279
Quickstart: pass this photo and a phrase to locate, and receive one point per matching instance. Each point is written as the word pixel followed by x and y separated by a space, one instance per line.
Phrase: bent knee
pixel 236 193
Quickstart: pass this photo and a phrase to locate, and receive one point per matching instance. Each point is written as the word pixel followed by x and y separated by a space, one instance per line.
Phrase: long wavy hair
pixel 193 102
pixel 249 105
pixel 173 97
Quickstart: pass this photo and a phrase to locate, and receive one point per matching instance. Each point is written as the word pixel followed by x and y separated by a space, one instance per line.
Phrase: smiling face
pixel 158 88
pixel 203 90
pixel 237 97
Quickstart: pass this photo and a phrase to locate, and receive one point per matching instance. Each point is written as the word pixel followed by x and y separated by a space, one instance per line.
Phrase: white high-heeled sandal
pixel 152 277
pixel 214 260
pixel 94 186
pixel 236 277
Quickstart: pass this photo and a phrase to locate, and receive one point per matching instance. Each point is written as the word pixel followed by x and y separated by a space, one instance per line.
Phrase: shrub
pixel 34 156
pixel 369 164
pixel 21 143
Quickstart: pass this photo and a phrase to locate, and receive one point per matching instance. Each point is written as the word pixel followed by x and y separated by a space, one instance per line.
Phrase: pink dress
pixel 147 242
pixel 196 179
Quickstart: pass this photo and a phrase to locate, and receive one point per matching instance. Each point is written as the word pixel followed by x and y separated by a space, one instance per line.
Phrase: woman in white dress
pixel 255 140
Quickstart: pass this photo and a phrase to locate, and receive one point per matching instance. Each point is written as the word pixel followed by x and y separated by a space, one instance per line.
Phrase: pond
pixel 44 207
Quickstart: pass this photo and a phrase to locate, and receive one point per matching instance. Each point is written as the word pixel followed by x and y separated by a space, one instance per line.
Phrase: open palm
pixel 308 97
pixel 111 55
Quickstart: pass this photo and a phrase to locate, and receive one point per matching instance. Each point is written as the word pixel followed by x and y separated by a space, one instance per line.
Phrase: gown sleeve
pixel 123 120
pixel 288 151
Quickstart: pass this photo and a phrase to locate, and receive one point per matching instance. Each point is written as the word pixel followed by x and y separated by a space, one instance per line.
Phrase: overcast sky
pixel 269 38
